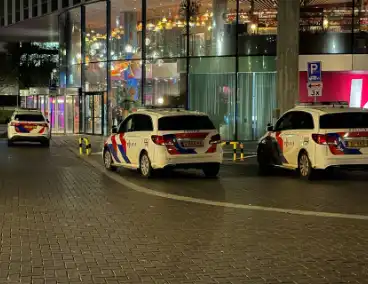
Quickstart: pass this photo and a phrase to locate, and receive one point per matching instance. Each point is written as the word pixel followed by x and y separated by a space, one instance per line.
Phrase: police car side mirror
pixel 7 120
pixel 114 129
pixel 269 127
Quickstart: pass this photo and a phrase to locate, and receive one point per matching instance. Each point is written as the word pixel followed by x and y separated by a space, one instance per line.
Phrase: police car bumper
pixel 188 162
pixel 28 137
pixel 352 163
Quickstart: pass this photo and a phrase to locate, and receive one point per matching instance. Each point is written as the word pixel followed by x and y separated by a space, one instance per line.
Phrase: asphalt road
pixel 63 220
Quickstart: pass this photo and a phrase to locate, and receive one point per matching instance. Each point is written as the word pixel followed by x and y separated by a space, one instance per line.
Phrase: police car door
pixel 286 139
pixel 141 134
pixel 124 140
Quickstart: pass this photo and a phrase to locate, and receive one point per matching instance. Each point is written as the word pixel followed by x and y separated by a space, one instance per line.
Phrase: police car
pixel 152 139
pixel 316 136
pixel 28 125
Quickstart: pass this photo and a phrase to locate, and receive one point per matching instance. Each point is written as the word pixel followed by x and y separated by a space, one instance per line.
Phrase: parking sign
pixel 314 71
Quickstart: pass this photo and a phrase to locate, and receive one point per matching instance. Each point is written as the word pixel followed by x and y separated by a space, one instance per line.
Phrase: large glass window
pixel 256 97
pixel 126 29
pixel 212 90
pixel 166 29
pixel 212 27
pixel 95 36
pixel 74 75
pixel 125 95
pixel 95 77
pixel 165 82
pixel 326 28
pixel 257 28
pixel 74 36
pixel 211 83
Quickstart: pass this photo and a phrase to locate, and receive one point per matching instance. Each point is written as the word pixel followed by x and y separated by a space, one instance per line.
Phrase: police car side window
pixel 285 122
pixel 142 122
pixel 126 125
pixel 302 120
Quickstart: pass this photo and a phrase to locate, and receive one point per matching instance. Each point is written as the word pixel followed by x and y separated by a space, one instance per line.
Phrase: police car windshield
pixel 344 120
pixel 29 117
pixel 185 122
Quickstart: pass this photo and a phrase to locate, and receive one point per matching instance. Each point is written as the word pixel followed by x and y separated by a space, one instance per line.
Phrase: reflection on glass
pixel 212 27
pixel 216 96
pixel 74 76
pixel 76 114
pixel 166 29
pixel 126 29
pixel 69 114
pixel 165 83
pixel 95 77
pixel 59 113
pixel 95 37
pixel 74 35
pixel 125 88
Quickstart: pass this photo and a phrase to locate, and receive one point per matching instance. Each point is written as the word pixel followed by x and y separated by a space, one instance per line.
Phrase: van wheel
pixel 305 167
pixel 145 166
pixel 108 161
pixel 211 171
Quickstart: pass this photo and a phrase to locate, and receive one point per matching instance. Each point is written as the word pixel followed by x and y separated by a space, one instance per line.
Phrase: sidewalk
pixel 72 141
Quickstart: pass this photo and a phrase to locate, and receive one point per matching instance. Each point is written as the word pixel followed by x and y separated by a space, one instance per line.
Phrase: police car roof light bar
pixel 325 104
pixel 178 108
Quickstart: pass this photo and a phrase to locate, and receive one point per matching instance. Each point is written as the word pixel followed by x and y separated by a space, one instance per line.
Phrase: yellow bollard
pixel 80 146
pixel 235 144
pixel 241 152
pixel 88 146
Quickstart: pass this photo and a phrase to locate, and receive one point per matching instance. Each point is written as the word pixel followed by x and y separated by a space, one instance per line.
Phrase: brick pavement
pixel 75 225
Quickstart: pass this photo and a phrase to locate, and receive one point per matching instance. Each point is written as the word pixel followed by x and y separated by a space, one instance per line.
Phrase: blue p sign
pixel 314 71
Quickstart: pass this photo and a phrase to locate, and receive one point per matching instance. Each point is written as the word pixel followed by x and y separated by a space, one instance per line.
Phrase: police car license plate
pixel 192 144
pixel 30 127
pixel 357 144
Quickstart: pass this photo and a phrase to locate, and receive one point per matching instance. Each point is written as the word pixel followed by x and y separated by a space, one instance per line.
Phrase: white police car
pixel 310 137
pixel 28 125
pixel 153 139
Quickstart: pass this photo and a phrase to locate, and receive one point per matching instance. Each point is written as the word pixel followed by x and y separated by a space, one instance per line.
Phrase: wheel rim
pixel 144 165
pixel 107 159
pixel 304 165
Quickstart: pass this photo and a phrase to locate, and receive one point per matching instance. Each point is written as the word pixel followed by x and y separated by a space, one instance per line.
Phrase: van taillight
pixel 322 139
pixel 215 139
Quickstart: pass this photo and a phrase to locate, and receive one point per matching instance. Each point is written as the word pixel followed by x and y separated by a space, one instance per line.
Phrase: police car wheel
pixel 46 144
pixel 145 166
pixel 211 171
pixel 304 166
pixel 108 161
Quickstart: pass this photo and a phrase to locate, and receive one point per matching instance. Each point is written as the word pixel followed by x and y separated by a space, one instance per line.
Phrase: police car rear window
pixel 29 117
pixel 185 122
pixel 344 120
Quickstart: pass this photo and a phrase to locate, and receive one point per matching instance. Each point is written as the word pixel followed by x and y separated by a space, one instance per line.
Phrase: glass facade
pixel 216 56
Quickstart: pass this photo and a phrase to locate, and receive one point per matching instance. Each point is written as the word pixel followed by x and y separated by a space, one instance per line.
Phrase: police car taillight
pixel 158 140
pixel 322 139
pixel 215 139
